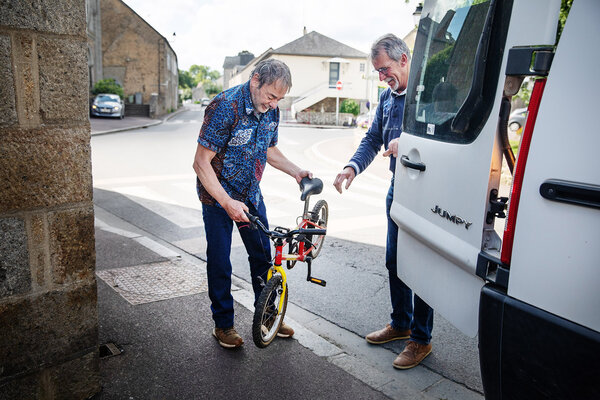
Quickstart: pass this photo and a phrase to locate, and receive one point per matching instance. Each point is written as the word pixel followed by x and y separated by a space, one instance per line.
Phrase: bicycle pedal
pixel 317 281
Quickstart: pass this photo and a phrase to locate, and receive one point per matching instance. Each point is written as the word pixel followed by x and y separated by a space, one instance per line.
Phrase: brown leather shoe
pixel 285 331
pixel 412 355
pixel 228 338
pixel 387 334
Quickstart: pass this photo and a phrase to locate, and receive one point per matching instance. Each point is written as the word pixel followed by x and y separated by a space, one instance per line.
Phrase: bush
pixel 350 106
pixel 108 86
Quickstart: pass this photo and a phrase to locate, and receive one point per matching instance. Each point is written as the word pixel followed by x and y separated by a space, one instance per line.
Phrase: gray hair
pixel 393 46
pixel 271 70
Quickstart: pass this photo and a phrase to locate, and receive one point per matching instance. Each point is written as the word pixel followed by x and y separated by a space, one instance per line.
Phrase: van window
pixel 447 42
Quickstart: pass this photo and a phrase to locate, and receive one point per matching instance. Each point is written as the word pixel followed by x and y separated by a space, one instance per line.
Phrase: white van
pixel 532 292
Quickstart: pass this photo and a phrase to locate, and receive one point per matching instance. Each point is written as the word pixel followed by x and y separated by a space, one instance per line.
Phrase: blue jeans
pixel 219 227
pixel 404 316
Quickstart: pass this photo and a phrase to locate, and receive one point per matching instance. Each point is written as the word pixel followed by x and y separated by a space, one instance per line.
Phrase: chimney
pixel 304 32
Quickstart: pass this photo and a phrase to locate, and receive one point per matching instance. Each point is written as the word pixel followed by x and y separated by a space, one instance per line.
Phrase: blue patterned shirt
pixel 386 126
pixel 241 140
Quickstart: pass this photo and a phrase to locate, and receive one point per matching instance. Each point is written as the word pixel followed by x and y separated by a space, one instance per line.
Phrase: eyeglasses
pixel 382 70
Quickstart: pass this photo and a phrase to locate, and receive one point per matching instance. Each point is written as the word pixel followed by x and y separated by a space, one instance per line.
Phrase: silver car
pixel 108 105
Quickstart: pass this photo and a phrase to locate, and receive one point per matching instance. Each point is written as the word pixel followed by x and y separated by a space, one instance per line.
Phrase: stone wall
pixel 325 118
pixel 137 56
pixel 48 300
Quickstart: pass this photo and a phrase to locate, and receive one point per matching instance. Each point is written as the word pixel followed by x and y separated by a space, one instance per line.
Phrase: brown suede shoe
pixel 285 331
pixel 228 338
pixel 412 355
pixel 387 334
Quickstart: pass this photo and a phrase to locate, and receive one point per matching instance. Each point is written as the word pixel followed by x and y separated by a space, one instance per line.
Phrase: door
pixel 448 151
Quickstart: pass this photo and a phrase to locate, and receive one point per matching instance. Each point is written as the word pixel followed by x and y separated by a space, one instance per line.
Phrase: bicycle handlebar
pixel 254 220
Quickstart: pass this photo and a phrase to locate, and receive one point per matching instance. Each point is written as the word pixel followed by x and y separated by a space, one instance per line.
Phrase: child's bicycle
pixel 304 244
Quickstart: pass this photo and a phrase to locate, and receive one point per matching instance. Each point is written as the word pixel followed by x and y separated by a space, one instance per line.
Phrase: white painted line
pixel 156 247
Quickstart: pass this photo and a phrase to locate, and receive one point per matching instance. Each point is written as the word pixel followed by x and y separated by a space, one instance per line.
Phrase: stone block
pixel 62 72
pixel 26 78
pixel 8 113
pixel 15 275
pixel 44 167
pixel 65 17
pixel 47 329
pixel 72 251
pixel 75 379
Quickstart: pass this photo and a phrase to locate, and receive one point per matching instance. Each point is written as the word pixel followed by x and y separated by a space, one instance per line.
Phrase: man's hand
pixel 392 148
pixel 346 174
pixel 236 210
pixel 301 174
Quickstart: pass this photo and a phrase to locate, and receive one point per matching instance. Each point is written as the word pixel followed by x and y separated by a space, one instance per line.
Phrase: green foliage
pixel 186 93
pixel 524 92
pixel 350 106
pixel 211 88
pixel 565 7
pixel 108 86
pixel 185 79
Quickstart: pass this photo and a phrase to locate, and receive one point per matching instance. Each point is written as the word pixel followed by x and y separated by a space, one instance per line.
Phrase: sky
pixel 206 31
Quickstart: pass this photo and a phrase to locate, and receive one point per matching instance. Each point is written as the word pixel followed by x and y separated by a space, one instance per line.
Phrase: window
pixel 334 73
pixel 362 67
pixel 444 90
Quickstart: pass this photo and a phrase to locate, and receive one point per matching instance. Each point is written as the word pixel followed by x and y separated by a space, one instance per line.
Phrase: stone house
pixel 139 58
pixel 317 63
pixel 233 64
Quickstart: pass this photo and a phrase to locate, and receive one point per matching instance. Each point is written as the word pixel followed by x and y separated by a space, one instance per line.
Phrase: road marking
pixel 143 240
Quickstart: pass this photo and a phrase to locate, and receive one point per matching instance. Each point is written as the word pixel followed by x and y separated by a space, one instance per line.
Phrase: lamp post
pixel 417 13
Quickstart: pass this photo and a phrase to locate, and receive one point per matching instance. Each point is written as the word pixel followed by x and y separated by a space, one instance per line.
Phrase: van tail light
pixel 509 231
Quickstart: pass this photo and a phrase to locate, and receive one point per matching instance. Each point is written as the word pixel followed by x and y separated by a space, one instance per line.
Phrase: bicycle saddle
pixel 310 186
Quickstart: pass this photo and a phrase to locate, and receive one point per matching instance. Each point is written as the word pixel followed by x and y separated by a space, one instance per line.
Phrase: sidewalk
pixel 153 305
pixel 103 126
pixel 168 351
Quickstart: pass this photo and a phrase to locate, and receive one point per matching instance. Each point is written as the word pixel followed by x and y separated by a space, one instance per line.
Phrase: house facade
pixel 317 63
pixel 139 58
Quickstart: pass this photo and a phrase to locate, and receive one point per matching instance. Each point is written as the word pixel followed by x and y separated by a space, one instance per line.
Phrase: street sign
pixel 338 85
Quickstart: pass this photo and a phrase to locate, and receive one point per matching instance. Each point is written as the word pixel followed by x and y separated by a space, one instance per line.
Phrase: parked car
pixel 205 101
pixel 108 105
pixel 365 120
pixel 517 119
pixel 515 265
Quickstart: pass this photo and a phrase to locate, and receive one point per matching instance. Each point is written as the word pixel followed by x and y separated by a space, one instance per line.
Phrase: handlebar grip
pixel 312 231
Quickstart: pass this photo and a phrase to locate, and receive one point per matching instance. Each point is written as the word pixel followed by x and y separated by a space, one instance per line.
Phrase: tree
pixel 108 86
pixel 350 106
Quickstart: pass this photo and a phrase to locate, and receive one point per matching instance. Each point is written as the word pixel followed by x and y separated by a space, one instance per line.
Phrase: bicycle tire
pixel 319 216
pixel 267 315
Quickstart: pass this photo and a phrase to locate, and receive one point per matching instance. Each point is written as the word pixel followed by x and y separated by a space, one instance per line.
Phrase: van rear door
pixel 449 154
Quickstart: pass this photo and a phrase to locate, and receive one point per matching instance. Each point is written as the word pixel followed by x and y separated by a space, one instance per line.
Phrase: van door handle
pixel 410 164
pixel 582 194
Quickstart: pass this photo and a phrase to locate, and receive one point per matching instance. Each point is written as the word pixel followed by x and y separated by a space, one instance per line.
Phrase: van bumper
pixel 528 353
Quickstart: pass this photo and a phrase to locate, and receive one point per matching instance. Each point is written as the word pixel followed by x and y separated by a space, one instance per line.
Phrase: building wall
pixel 94 34
pixel 137 57
pixel 48 300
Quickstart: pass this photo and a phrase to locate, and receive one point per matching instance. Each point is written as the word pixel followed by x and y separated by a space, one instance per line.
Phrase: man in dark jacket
pixel 391 58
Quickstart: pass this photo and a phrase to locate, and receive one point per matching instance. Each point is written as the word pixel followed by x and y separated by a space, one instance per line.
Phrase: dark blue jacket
pixel 386 126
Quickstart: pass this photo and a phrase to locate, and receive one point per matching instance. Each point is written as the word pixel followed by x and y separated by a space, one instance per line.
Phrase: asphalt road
pixel 145 177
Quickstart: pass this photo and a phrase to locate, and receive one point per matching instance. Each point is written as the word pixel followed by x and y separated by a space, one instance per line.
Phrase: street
pixel 145 178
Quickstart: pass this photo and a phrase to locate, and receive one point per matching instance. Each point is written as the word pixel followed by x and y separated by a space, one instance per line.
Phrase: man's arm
pixel 278 160
pixel 367 150
pixel 205 172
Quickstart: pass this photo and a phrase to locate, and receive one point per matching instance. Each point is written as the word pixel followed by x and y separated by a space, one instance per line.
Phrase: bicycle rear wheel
pixel 269 312
pixel 319 216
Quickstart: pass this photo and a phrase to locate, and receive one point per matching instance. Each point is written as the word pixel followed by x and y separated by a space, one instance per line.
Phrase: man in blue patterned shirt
pixel 391 58
pixel 237 139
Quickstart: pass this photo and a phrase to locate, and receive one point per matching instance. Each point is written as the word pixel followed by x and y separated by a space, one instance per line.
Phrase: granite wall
pixel 48 300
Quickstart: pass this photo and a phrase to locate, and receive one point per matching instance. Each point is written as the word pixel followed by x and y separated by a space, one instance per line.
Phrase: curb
pixel 145 125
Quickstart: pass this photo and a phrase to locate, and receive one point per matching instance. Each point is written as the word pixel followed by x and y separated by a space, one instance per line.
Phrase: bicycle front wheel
pixel 269 312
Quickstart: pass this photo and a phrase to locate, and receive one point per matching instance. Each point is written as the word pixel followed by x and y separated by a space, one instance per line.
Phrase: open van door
pixel 450 157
